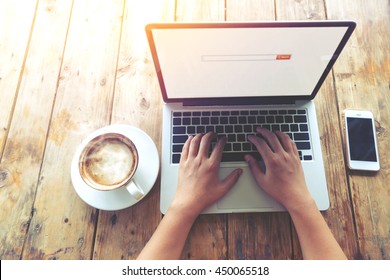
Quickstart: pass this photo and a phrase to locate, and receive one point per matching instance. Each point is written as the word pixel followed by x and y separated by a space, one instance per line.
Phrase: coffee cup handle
pixel 134 190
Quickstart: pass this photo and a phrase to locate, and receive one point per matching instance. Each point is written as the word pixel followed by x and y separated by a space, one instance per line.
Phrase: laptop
pixel 233 77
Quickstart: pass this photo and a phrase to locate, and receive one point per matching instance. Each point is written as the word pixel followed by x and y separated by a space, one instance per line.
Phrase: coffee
pixel 108 161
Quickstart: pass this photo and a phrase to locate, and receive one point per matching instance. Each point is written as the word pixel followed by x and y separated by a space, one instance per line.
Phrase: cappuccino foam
pixel 110 162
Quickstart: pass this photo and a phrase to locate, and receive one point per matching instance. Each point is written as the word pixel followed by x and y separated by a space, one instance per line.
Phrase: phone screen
pixel 361 139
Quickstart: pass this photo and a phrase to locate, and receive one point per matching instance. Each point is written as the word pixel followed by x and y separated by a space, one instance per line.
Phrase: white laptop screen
pixel 244 62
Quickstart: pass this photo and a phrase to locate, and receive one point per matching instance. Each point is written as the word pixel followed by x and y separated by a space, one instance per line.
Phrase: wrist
pixel 181 211
pixel 305 206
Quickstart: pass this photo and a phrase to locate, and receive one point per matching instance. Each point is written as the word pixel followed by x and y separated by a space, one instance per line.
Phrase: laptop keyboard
pixel 236 126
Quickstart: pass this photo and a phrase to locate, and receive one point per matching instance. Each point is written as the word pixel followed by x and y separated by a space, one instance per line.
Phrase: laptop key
pixel 177 148
pixel 288 119
pixel 300 119
pixel 238 128
pixel 176 158
pixel 303 127
pixel 176 121
pixel 231 138
pixel 233 120
pixel 228 147
pixel 308 157
pixel 179 130
pixel 284 128
pixel 275 127
pixel 236 146
pixel 179 138
pixel 294 127
pixel 219 129
pixel 248 128
pixel 190 129
pixel 195 121
pixel 270 119
pixel 200 129
pixel 260 119
pixel 229 129
pixel 242 120
pixel 223 120
pixel 301 136
pixel 214 120
pixel 303 145
pixel 251 119
pixel 241 137
pixel 279 119
pixel 205 120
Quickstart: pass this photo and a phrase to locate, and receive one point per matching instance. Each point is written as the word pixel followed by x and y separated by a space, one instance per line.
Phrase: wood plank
pixel 362 82
pixel 200 10
pixel 63 226
pixel 15 28
pixel 257 235
pixel 339 215
pixel 207 237
pixel 123 234
pixel 250 10
pixel 27 134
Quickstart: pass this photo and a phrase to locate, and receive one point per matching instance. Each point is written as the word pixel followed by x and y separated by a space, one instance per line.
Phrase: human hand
pixel 283 177
pixel 198 184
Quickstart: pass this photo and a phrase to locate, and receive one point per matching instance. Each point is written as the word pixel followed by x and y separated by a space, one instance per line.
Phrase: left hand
pixel 198 184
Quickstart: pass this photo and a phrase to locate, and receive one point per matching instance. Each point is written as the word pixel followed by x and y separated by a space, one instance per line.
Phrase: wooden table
pixel 68 68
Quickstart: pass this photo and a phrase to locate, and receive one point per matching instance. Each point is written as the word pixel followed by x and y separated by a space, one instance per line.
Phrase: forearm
pixel 169 238
pixel 315 237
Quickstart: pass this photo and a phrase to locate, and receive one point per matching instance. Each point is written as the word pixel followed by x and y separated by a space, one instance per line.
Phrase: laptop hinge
pixel 235 101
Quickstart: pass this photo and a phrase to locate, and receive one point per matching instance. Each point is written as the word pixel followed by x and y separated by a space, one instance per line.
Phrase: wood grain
pixel 15 29
pixel 25 145
pixel 362 82
pixel 200 10
pixel 62 226
pixel 137 98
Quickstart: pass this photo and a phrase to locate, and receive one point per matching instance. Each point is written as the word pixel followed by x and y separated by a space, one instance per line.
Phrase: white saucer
pixel 145 176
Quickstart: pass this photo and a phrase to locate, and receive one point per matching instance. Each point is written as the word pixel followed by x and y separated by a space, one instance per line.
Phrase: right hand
pixel 283 177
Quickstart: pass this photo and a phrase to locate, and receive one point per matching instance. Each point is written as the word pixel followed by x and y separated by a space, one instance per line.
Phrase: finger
pixel 205 143
pixel 294 149
pixel 184 151
pixel 255 169
pixel 194 145
pixel 285 140
pixel 231 180
pixel 271 138
pixel 262 147
pixel 216 154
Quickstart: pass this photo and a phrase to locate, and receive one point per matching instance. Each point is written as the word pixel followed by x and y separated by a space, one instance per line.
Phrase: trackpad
pixel 246 195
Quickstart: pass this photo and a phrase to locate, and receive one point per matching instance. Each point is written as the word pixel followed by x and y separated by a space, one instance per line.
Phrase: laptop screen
pixel 235 61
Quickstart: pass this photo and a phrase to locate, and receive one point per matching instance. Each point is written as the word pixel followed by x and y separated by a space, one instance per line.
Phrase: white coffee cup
pixel 108 162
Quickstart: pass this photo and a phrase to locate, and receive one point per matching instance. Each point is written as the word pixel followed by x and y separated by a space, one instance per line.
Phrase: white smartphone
pixel 361 141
